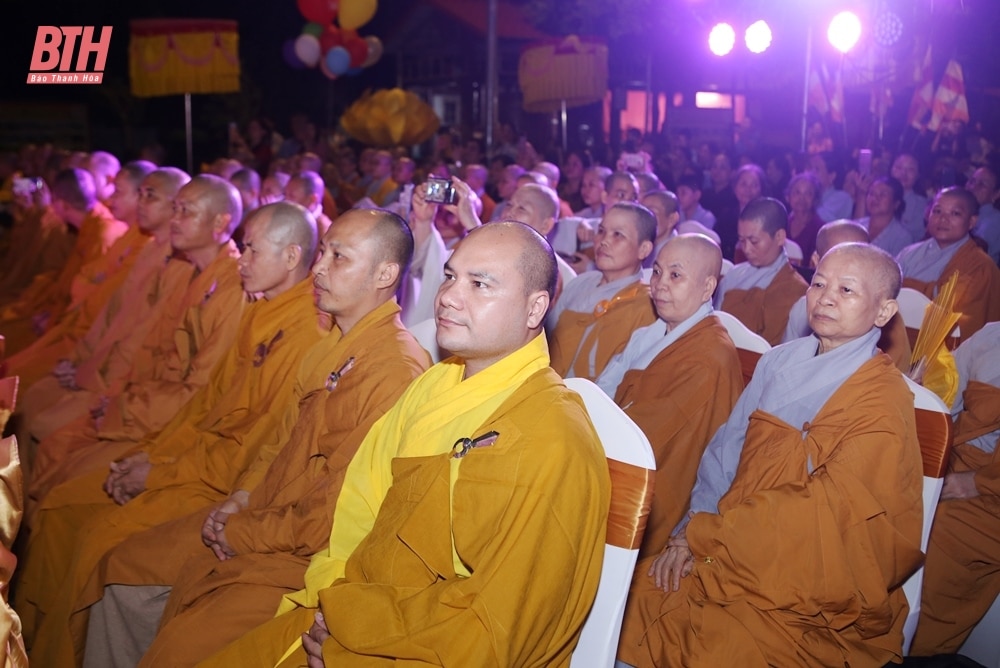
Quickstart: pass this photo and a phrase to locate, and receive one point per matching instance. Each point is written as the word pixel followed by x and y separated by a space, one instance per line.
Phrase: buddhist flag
pixel 835 91
pixel 950 103
pixel 817 93
pixel 922 95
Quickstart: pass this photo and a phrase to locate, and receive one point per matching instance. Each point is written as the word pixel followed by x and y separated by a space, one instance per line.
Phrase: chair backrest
pixel 8 398
pixel 632 466
pixel 425 332
pixel 911 307
pixel 726 266
pixel 934 431
pixel 793 251
pixel 749 346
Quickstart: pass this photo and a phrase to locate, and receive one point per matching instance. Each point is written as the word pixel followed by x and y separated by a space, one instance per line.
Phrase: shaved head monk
pixel 894 341
pixel 306 188
pixel 201 453
pixel 599 310
pixel 226 571
pixel 960 574
pixel 677 378
pixel 74 199
pixel 537 206
pixel 761 291
pixel 929 264
pixel 806 514
pixel 483 489
pixel 74 381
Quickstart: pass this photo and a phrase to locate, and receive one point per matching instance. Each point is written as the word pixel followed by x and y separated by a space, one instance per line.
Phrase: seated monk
pixel 893 341
pixel 929 264
pixel 961 575
pixel 806 514
pixel 191 334
pixel 94 286
pixel 226 572
pixel 306 188
pixel 761 291
pixel 598 310
pixel 74 199
pixel 537 207
pixel 197 458
pixel 677 378
pixel 470 526
pixel 38 242
pixel 121 325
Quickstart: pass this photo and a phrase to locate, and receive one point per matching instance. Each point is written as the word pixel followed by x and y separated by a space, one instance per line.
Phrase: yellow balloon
pixel 355 13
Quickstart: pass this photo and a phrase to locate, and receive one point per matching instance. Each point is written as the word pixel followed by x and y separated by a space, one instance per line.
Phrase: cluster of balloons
pixel 336 49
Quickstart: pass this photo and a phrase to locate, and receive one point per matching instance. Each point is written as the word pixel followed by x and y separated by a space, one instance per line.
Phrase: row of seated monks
pixel 245 459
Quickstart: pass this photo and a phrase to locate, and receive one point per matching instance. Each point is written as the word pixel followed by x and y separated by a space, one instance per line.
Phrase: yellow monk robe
pixel 289 514
pixel 50 293
pixel 196 459
pixel 597 335
pixel 679 401
pixel 12 654
pixel 191 336
pixel 92 288
pixel 799 568
pixel 765 311
pixel 40 242
pixel 528 516
pixel 107 349
pixel 977 292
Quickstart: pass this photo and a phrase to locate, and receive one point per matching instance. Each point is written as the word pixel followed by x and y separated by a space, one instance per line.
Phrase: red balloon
pixel 330 38
pixel 358 48
pixel 319 11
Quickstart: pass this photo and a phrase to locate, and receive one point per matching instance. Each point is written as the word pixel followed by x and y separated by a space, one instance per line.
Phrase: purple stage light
pixel 844 31
pixel 722 39
pixel 758 37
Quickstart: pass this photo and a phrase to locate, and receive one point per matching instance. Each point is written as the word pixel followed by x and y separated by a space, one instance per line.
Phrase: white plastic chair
pixel 793 251
pixel 726 266
pixel 911 307
pixel 742 337
pixel 425 332
pixel 624 442
pixel 983 644
pixel 934 432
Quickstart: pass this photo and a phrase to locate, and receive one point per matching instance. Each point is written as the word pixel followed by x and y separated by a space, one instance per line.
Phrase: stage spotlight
pixel 758 37
pixel 722 39
pixel 844 31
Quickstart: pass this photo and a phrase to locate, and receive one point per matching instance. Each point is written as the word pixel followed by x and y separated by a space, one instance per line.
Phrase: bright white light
pixel 844 31
pixel 722 39
pixel 758 37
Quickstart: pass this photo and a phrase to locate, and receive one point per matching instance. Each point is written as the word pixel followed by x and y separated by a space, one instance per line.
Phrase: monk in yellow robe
pixel 39 243
pixel 960 575
pixel 470 526
pixel 928 265
pixel 893 341
pixel 196 460
pixel 110 343
pixel 761 291
pixel 94 286
pixel 677 378
pixel 229 569
pixel 189 337
pixel 598 310
pixel 74 200
pixel 306 188
pixel 806 515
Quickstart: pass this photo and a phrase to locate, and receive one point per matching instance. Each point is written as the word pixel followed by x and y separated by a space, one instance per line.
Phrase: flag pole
pixel 805 87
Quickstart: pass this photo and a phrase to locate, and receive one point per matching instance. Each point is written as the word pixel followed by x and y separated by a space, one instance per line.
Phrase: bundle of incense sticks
pixel 939 320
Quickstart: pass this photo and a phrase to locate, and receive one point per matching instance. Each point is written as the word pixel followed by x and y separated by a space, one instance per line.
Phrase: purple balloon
pixel 288 51
pixel 338 60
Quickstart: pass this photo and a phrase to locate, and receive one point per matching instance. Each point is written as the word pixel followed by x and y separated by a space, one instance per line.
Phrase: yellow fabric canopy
pixel 178 56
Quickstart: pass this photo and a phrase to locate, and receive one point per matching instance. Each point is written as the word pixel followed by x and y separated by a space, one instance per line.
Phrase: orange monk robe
pixel 679 401
pixel 977 292
pixel 197 459
pixel 960 575
pixel 799 568
pixel 525 521
pixel 39 242
pixel 289 514
pixel 765 310
pixel 598 334
pixel 92 288
pixel 50 293
pixel 191 336
pixel 107 349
